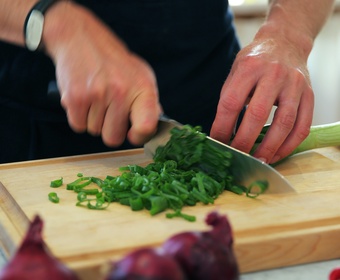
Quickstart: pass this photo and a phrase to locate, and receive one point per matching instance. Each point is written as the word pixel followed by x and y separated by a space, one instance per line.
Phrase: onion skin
pixel 146 264
pixel 335 274
pixel 206 255
pixel 33 261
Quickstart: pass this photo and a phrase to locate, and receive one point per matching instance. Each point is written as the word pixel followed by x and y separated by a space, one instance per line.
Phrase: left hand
pixel 268 72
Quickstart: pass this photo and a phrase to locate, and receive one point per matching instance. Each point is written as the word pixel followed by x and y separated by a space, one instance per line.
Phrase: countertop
pixel 312 271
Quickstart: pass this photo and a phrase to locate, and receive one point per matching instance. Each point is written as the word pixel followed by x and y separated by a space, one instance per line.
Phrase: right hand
pixel 103 86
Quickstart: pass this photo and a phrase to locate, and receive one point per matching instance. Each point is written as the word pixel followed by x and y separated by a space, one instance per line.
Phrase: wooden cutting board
pixel 274 230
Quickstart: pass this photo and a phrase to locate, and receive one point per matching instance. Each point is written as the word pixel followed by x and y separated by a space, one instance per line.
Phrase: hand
pixel 267 72
pixel 103 86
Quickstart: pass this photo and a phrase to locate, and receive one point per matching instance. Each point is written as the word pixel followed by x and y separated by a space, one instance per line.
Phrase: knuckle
pixel 146 85
pixel 95 91
pixel 231 103
pixel 93 129
pixel 93 132
pixel 112 140
pixel 299 79
pixel 246 65
pixel 287 121
pixel 257 113
pixel 242 144
pixel 303 132
pixel 76 125
pixel 117 89
pixel 269 149
pixel 278 72
pixel 73 97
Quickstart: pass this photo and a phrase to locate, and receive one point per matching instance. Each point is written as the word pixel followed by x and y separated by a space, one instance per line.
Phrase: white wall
pixel 324 67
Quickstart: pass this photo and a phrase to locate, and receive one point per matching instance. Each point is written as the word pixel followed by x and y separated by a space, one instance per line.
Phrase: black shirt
pixel 190 45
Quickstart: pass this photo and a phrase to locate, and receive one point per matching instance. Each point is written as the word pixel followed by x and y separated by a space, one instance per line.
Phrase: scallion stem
pixel 320 136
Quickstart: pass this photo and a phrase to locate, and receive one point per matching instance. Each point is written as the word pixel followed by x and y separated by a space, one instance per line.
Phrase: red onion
pixel 146 264
pixel 206 255
pixel 33 261
pixel 335 274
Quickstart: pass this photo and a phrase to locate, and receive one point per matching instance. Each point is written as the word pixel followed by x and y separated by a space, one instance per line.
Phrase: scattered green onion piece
pixel 90 191
pixel 82 196
pixel 256 188
pixel 56 183
pixel 181 215
pixel 53 197
pixel 99 182
pixel 99 205
pixel 79 183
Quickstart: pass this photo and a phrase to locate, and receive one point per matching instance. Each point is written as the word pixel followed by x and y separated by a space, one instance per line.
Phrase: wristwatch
pixel 34 24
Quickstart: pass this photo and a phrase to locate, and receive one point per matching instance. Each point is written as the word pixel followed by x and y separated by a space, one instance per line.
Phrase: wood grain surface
pixel 274 230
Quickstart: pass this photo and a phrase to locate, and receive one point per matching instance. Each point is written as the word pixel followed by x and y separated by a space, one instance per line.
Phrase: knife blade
pixel 245 168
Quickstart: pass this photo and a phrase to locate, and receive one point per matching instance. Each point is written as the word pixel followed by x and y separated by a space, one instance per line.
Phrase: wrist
pixel 60 24
pixel 279 26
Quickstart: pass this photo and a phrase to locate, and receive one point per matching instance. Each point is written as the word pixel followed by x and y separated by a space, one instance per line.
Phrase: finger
pixel 284 119
pixel 145 112
pixel 76 110
pixel 115 124
pixel 95 118
pixel 301 128
pixel 234 95
pixel 97 95
pixel 256 116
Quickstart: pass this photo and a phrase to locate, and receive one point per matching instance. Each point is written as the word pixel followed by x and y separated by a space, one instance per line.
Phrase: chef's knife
pixel 245 168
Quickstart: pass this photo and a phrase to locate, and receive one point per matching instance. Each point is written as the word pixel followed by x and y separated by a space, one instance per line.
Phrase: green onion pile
pixel 186 171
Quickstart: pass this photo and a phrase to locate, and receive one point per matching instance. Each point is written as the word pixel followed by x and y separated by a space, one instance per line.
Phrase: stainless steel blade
pixel 245 168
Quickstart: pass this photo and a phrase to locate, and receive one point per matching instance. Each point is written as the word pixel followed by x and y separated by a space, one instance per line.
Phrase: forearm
pixel 298 21
pixel 12 19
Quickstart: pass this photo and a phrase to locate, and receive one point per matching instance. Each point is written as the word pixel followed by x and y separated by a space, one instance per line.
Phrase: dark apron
pixel 190 44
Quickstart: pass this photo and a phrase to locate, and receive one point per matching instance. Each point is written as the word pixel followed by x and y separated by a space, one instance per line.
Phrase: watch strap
pixel 43 5
pixel 35 20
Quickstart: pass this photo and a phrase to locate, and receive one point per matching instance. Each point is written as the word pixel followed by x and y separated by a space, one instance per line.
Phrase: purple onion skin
pixel 32 261
pixel 146 264
pixel 206 255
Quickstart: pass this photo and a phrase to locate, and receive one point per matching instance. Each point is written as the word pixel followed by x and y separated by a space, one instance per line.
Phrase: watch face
pixel 34 29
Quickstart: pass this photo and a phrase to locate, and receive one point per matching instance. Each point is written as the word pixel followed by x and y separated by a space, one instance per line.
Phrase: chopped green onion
pixel 256 188
pixel 181 215
pixel 82 196
pixel 53 197
pixel 186 171
pixel 79 183
pixel 56 183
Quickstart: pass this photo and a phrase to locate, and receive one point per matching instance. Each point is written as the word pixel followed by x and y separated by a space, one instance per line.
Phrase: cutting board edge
pixel 291 251
pixel 13 211
pixel 301 247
